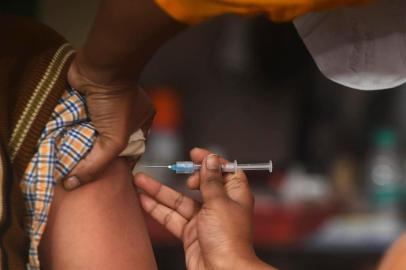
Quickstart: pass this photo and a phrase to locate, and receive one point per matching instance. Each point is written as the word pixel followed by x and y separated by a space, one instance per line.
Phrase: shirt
pixel 66 139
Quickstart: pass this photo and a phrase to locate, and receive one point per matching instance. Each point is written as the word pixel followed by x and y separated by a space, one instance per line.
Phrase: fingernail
pixel 71 183
pixel 212 162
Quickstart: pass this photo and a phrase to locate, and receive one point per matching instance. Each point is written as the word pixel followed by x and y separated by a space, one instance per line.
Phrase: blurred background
pixel 249 90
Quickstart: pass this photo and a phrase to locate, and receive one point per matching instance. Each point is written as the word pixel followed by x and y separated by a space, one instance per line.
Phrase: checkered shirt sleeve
pixel 66 139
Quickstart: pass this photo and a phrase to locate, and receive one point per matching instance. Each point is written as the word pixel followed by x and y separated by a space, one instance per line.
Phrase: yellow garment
pixel 194 11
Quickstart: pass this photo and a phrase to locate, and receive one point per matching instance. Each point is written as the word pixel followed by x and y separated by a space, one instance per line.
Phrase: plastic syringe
pixel 188 167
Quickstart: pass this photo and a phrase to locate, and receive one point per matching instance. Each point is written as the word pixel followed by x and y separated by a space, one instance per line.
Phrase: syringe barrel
pixel 256 167
pixel 232 167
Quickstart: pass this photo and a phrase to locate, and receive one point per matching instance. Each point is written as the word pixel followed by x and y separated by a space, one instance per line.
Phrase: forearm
pixel 124 36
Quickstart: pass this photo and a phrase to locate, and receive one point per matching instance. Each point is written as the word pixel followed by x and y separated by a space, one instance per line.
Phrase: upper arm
pixel 98 226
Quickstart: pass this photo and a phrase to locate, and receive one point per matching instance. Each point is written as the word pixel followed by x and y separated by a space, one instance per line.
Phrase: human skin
pixel 124 36
pixel 99 226
pixel 216 234
pixel 208 230
pixel 395 258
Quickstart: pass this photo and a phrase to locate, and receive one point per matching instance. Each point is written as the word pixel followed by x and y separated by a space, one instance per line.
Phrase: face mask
pixel 359 47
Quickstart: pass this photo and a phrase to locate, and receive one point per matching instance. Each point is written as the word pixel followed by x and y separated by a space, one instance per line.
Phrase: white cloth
pixel 360 47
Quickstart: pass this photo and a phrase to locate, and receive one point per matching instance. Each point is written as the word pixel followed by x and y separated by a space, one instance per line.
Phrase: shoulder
pixel 24 36
pixel 34 60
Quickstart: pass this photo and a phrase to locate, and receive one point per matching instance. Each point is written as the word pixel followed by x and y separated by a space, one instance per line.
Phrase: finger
pixel 101 154
pixel 211 179
pixel 178 202
pixel 193 181
pixel 197 155
pixel 237 188
pixel 169 218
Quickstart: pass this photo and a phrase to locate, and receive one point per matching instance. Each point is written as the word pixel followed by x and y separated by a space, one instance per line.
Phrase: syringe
pixel 188 167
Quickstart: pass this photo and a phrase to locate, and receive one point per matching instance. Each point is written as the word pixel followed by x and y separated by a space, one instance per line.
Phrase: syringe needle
pixel 155 166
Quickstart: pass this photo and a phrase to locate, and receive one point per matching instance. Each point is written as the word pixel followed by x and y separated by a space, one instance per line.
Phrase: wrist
pixel 103 76
pixel 84 78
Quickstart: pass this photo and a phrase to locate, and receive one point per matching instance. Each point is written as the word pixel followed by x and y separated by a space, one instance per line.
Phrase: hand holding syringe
pixel 188 167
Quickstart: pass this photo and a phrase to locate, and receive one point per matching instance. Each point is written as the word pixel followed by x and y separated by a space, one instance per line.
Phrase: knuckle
pixel 121 141
pixel 235 183
pixel 218 202
pixel 116 143
pixel 168 217
pixel 85 173
pixel 153 209
pixel 179 201
pixel 213 179
pixel 158 191
pixel 187 232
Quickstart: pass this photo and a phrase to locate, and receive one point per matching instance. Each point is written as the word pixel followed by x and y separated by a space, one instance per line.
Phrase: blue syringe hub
pixel 184 167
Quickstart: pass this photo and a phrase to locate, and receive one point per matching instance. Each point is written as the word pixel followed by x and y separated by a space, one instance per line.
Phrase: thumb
pixel 101 154
pixel 211 179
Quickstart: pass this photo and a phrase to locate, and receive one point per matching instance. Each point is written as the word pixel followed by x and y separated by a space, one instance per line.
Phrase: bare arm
pixel 125 35
pixel 99 226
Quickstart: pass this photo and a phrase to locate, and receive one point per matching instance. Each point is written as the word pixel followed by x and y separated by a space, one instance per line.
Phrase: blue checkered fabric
pixel 66 139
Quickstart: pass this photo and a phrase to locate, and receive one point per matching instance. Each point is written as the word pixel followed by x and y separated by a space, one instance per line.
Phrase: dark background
pixel 249 90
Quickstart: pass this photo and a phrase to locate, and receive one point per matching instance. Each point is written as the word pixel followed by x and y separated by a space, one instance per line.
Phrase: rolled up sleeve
pixel 195 11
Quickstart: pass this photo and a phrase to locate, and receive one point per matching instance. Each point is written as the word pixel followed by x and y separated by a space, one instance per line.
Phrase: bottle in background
pixel 385 182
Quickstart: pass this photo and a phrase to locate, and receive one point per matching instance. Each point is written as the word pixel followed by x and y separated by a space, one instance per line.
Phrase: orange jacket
pixel 194 11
